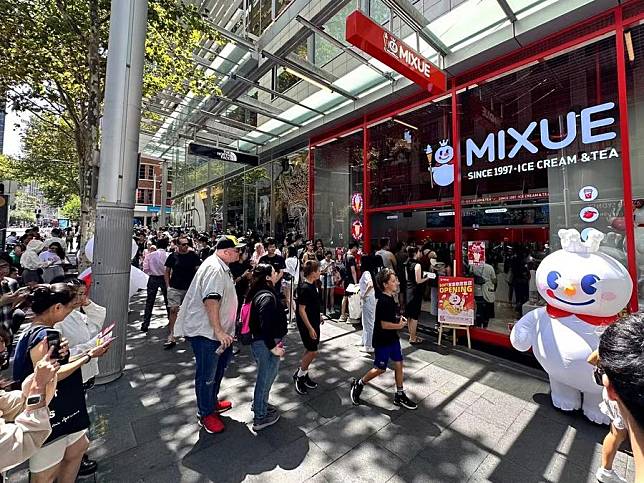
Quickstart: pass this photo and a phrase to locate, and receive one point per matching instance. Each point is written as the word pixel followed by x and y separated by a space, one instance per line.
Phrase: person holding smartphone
pixel 24 415
pixel 83 328
pixel 386 341
pixel 60 457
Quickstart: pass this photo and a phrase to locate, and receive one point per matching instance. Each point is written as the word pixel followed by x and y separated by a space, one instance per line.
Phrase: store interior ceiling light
pixel 405 124
pixel 328 141
pixel 307 79
pixel 628 40
pixel 351 132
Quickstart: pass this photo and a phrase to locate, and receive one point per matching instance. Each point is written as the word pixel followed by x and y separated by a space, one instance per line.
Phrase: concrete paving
pixel 480 418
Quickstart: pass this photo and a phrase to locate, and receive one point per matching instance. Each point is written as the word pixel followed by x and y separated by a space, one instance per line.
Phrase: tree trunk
pixel 90 155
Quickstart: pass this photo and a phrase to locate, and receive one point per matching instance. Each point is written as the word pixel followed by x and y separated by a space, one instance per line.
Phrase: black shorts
pixel 309 344
pixel 413 307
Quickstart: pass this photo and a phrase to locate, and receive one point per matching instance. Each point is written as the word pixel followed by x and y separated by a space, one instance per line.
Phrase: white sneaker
pixel 368 350
pixel 608 476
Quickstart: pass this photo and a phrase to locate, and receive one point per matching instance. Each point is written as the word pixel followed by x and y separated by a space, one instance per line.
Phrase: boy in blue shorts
pixel 385 341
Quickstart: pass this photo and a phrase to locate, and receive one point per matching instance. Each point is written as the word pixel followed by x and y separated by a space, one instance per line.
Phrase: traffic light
pixel 38 213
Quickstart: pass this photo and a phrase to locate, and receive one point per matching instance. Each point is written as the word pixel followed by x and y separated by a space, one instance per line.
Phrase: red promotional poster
pixel 475 253
pixel 456 300
pixel 357 203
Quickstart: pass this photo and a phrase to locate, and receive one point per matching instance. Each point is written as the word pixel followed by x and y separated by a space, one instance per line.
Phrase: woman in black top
pixel 268 327
pixel 385 341
pixel 414 292
pixel 60 457
pixel 308 324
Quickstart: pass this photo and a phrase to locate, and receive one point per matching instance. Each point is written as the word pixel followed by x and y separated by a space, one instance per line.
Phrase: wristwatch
pixel 35 400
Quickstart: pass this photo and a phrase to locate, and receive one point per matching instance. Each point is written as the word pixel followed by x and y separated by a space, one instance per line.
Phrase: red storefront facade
pixel 525 136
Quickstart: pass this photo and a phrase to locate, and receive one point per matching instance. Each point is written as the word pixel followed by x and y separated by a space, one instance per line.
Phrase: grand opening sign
pixel 381 44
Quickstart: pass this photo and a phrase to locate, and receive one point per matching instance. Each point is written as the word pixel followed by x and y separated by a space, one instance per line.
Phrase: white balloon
pixel 89 249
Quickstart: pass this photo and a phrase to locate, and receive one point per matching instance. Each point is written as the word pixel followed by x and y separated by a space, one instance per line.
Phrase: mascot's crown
pixel 571 241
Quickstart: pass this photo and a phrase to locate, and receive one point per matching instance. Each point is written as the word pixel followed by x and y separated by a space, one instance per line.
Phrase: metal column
pixel 118 177
pixel 164 193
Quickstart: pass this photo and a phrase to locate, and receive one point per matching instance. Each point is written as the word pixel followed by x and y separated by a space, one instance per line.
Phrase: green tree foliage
pixel 72 208
pixel 53 58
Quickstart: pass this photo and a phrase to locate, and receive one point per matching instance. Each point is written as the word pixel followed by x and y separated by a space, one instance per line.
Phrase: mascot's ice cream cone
pixel 585 289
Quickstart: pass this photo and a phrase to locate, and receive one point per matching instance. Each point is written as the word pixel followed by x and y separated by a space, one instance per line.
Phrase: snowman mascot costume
pixel 585 289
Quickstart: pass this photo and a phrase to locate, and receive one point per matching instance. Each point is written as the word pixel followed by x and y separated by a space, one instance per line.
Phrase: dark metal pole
pixel 118 177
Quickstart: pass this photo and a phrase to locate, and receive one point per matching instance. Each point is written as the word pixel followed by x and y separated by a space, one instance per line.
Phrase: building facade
pixel 148 191
pixel 540 129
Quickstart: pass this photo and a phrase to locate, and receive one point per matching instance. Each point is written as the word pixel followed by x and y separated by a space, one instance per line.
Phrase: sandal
pixel 416 341
pixel 169 344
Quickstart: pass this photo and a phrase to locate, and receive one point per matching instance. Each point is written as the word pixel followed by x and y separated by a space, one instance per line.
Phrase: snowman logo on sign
pixel 443 172
pixel 585 289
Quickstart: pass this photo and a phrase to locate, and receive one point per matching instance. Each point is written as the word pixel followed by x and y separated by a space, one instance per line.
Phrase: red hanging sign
pixel 381 44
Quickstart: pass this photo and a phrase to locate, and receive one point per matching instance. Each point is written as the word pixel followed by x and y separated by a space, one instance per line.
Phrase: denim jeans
pixel 210 372
pixel 267 366
pixel 154 284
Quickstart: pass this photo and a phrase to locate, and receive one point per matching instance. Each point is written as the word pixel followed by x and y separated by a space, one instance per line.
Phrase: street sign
pixel 381 44
pixel 222 154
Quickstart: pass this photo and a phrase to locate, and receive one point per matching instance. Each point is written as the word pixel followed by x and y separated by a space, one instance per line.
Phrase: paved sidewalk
pixel 480 418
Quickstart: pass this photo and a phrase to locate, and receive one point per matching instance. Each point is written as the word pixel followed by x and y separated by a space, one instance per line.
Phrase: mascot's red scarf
pixel 556 313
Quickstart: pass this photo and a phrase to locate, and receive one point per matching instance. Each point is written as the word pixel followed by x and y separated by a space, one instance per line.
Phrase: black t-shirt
pixel 277 261
pixel 386 310
pixel 350 261
pixel 237 269
pixel 184 266
pixel 309 296
pixel 205 252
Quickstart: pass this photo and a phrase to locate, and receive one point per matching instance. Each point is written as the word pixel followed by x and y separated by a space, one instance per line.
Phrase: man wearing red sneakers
pixel 207 320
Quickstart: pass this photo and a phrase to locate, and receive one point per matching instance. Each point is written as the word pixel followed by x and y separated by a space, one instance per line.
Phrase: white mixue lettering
pixel 494 146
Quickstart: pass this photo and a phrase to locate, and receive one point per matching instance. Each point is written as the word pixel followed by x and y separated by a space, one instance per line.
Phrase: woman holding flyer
pixel 83 330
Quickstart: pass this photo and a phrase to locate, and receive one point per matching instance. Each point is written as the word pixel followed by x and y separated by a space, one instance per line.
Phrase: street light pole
pixel 118 177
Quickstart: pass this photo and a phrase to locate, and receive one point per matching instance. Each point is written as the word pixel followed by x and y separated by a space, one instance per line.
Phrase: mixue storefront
pixel 549 136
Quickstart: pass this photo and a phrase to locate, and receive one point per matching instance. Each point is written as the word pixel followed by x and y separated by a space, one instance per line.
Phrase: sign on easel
pixel 456 306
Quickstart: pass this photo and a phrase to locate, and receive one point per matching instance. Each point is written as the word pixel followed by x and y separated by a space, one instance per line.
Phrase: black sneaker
pixel 300 386
pixel 145 326
pixel 402 400
pixel 309 383
pixel 87 466
pixel 356 390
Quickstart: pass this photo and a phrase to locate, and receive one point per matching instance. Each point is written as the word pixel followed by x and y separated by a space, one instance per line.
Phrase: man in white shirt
pixel 56 236
pixel 207 320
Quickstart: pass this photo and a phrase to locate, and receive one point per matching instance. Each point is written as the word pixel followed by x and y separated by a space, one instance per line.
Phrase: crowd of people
pixel 221 291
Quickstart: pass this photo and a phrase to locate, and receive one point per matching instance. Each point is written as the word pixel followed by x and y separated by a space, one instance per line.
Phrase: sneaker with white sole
pixel 356 390
pixel 608 476
pixel 401 399
pixel 266 421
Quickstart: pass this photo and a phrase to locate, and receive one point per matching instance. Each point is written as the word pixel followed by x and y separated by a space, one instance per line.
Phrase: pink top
pixel 154 262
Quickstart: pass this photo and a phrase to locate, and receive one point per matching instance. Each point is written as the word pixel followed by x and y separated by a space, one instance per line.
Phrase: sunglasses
pixel 598 374
pixel 184 244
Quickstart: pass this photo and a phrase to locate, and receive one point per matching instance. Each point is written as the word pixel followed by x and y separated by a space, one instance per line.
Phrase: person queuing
pixel 207 319
pixel 154 267
pixel 293 266
pixel 368 296
pixel 386 342
pixel 81 328
pixel 388 258
pixel 309 254
pixel 327 268
pixel 414 292
pixel 60 457
pixel 621 372
pixel 180 269
pixel 272 257
pixel 55 255
pixel 350 277
pixel 24 414
pixel 319 250
pixel 308 325
pixel 257 254
pixel 32 264
pixel 268 327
